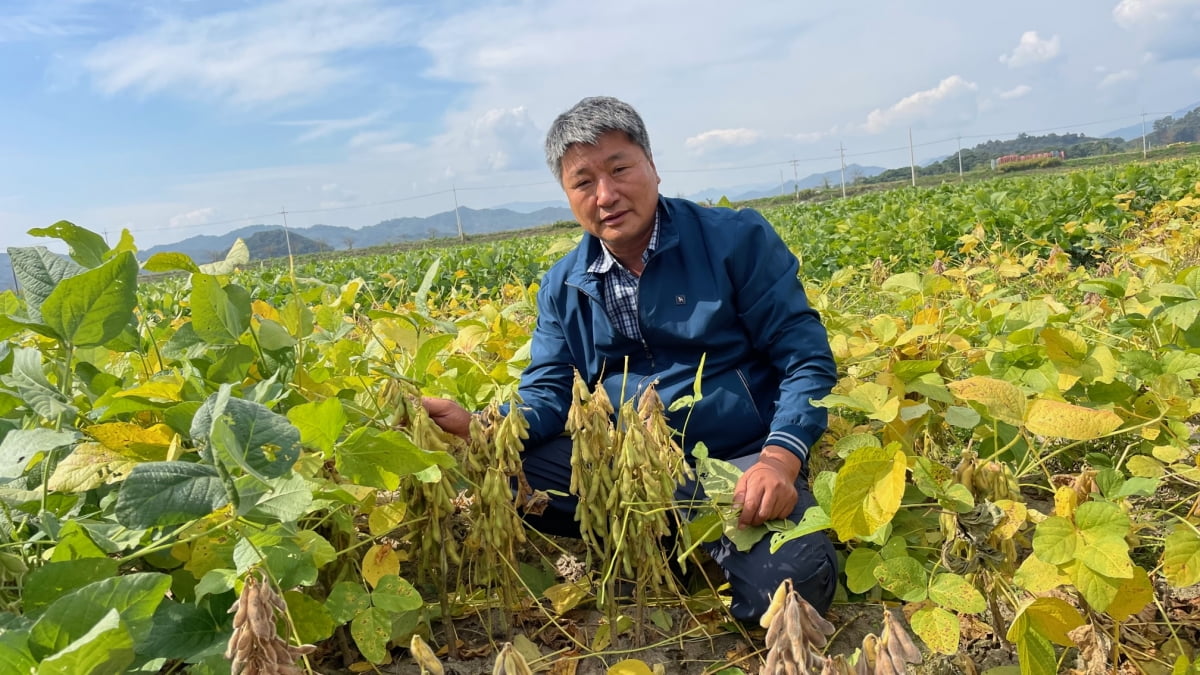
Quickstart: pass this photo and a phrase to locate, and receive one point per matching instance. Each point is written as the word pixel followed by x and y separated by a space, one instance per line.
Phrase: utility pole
pixel 106 237
pixel 461 236
pixel 1144 134
pixel 782 185
pixel 959 139
pixel 842 154
pixel 912 159
pixel 795 180
pixel 287 238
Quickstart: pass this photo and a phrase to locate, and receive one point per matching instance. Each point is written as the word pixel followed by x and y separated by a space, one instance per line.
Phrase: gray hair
pixel 586 121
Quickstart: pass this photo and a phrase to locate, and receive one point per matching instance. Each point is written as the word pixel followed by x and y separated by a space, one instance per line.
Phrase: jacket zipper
pixel 749 394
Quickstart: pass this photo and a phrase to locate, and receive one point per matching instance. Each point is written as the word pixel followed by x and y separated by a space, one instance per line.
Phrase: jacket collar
pixel 589 248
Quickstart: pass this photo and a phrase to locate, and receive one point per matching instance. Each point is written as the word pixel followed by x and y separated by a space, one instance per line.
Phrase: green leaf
pixel 168 262
pixel 938 628
pixel 955 592
pixel 1055 540
pixel 87 247
pixel 904 577
pixel 134 596
pixel 320 423
pixel 347 600
pixel 1181 557
pixel 814 520
pixel 169 493
pixel 961 417
pixel 38 272
pixel 53 580
pixel 1037 576
pixel 378 458
pixel 868 491
pixel 21 447
pixel 105 649
pixel 238 254
pixel 35 390
pixel 1097 588
pixel 184 631
pixel 372 629
pixel 860 569
pixel 254 438
pixel 1051 618
pixel 1002 400
pixel 396 595
pixel 313 623
pixel 91 308
pixel 216 582
pixel 14 653
pixel 288 499
pixel 219 315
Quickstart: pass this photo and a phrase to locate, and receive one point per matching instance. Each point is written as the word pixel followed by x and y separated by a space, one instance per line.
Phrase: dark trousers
pixel 753 575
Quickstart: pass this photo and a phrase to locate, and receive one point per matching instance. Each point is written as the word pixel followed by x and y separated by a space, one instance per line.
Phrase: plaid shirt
pixel 621 287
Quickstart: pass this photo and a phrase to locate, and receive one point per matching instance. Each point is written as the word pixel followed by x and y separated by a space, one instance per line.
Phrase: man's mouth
pixel 613 218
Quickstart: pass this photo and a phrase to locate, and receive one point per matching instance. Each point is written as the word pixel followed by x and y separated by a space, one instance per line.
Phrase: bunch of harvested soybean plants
pixel 795 633
pixel 493 464
pixel 625 477
pixel 255 647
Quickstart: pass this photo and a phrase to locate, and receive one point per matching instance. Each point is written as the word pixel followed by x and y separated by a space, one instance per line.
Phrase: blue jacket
pixel 721 283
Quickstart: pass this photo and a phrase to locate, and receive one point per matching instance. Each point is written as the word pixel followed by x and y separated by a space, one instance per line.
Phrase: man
pixel 656 284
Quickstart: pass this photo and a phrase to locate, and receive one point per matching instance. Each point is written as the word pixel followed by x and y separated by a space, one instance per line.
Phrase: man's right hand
pixel 450 416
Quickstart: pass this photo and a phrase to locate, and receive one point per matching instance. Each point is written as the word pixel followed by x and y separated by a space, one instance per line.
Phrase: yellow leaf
pixel 1145 467
pixel 868 490
pixel 1134 594
pixel 167 389
pixel 630 667
pixel 1003 400
pixel 1066 499
pixel 1051 618
pixel 567 596
pixel 1015 514
pixel 1010 270
pixel 1056 419
pixel 385 517
pixel 126 438
pixel 264 310
pixel 380 560
pixel 1037 576
pixel 92 465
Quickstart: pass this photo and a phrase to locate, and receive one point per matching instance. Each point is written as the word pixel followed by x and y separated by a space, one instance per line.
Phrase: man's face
pixel 612 187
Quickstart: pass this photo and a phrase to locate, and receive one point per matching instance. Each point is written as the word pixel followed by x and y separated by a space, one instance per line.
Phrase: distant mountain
pixel 530 207
pixel 747 192
pixel 1135 130
pixel 278 244
pixel 206 248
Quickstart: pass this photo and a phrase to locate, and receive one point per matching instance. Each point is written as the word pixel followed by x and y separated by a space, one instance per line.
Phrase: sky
pixel 173 118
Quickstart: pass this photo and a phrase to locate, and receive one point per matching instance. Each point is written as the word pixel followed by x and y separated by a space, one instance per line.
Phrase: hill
pixel 854 173
pixel 6 274
pixel 206 248
pixel 277 243
pixel 1133 132
pixel 1075 145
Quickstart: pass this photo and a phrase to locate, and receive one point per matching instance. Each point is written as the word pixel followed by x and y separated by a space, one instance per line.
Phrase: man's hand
pixel 767 490
pixel 450 416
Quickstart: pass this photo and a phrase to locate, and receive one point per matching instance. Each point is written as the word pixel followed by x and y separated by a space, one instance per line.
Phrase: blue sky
pixel 183 117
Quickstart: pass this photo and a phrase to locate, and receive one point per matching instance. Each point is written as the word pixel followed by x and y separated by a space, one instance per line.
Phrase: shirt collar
pixel 605 261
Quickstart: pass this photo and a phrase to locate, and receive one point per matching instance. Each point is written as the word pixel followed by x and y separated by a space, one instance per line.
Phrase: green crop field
pixel 227 464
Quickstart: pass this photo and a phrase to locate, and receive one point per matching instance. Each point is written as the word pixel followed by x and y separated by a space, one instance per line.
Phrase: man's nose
pixel 606 192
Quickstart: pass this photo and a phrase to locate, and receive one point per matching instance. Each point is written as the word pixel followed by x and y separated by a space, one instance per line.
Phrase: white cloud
pixel 1031 49
pixel 716 138
pixel 195 217
pixel 44 20
pixel 1117 77
pixel 1016 92
pixel 321 128
pixel 283 50
pixel 919 105
pixel 1168 28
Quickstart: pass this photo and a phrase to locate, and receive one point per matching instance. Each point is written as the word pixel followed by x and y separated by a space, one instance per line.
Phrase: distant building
pixel 1006 159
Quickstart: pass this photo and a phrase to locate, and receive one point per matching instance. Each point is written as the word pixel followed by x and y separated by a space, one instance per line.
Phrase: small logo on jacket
pixel 680 300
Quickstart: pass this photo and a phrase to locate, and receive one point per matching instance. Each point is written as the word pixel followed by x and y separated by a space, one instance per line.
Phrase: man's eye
pixel 620 169
pixel 582 184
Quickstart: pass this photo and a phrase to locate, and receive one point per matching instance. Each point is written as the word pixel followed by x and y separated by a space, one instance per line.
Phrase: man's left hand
pixel 767 490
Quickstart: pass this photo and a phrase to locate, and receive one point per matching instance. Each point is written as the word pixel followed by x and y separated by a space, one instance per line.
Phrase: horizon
pixel 176 120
